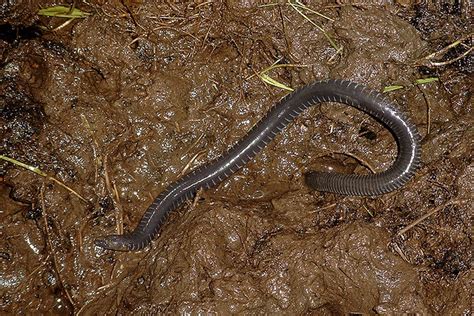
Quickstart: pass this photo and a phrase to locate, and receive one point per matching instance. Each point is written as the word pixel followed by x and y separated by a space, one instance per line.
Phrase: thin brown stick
pixel 428 116
pixel 448 47
pixel 106 174
pixel 79 237
pixel 190 162
pixel 360 160
pixel 51 248
pixel 193 144
pixel 197 197
pixel 422 218
pixel 400 252
pixel 448 62
pixel 444 50
pixel 62 25
pixel 324 208
pixel 113 192
pixel 207 35
pixel 174 29
pixel 368 211
pixel 428 112
pixel 119 214
pixel 132 15
pixel 285 35
pixel 95 146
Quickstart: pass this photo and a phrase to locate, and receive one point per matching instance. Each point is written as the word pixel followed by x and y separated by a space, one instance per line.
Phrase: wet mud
pixel 121 103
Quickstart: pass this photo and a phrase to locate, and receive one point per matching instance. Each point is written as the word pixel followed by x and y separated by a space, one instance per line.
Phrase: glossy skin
pixel 211 174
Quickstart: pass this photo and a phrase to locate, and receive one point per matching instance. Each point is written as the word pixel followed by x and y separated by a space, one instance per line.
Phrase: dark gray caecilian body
pixel 263 132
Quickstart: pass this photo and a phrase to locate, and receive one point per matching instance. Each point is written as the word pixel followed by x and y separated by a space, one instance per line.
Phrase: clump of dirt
pixel 123 102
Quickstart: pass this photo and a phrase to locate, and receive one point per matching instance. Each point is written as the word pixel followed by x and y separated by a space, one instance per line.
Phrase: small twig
pixel 113 192
pixel 444 50
pixel 207 35
pixel 62 25
pixel 447 62
pixel 300 5
pixel 360 160
pixel 325 207
pixel 50 245
pixel 119 214
pixel 422 218
pixel 120 15
pixel 400 252
pixel 428 113
pixel 95 146
pixel 197 197
pixel 106 175
pixel 203 4
pixel 192 145
pixel 132 16
pixel 352 4
pixel 285 35
pixel 368 211
pixel 190 162
pixel 331 41
pixel 174 29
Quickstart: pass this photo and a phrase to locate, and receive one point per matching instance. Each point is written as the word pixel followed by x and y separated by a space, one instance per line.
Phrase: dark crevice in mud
pixel 21 116
pixel 12 34
pixel 33 213
pixel 426 15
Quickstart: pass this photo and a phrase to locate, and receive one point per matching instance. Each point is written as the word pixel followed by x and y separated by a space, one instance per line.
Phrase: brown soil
pixel 123 100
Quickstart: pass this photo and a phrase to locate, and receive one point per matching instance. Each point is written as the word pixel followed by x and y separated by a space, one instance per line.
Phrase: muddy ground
pixel 119 104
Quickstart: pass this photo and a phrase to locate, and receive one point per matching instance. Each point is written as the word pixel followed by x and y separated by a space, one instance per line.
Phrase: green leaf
pixel 426 80
pixel 24 165
pixel 60 11
pixel 392 88
pixel 266 78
